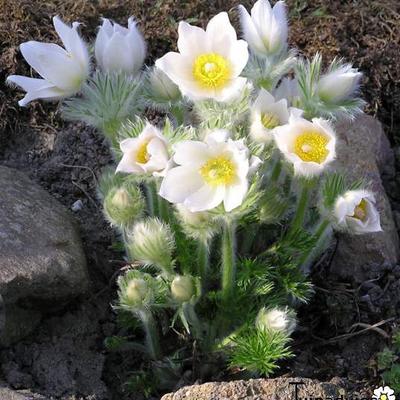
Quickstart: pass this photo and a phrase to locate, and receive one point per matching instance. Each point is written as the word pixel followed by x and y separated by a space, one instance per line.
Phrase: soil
pixel 64 356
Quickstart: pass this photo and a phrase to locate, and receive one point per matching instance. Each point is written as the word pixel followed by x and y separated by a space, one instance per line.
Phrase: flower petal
pixel 234 195
pixel 206 198
pixel 190 152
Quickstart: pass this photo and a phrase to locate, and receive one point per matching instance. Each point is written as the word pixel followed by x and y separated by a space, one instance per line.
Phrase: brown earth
pixel 66 160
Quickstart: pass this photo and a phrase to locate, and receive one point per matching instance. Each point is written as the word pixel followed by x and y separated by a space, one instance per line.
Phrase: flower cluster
pixel 248 141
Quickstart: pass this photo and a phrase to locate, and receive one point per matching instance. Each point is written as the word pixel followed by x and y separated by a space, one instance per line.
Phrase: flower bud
pixel 276 319
pixel 183 288
pixel 161 88
pixel 120 49
pixel 123 205
pixel 339 84
pixel 136 291
pixel 151 242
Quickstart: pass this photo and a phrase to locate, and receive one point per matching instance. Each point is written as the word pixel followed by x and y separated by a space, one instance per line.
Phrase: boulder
pixel 363 152
pixel 259 389
pixel 42 261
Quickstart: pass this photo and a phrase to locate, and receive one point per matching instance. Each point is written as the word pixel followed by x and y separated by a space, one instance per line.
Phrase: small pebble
pixel 77 206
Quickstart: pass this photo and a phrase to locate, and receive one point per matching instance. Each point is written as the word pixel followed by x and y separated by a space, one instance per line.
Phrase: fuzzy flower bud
pixel 161 88
pixel 123 205
pixel 339 84
pixel 136 291
pixel 120 49
pixel 266 29
pixel 183 288
pixel 276 319
pixel 152 243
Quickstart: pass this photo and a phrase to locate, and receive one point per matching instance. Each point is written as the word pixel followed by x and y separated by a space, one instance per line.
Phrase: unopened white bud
pixel 161 88
pixel 183 288
pixel 276 319
pixel 136 291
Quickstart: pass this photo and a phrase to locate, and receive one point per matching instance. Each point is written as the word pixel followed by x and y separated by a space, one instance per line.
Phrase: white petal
pixel 232 91
pixel 192 40
pixel 189 152
pixel 220 28
pixel 234 195
pixel 128 165
pixel 250 31
pixel 206 198
pixel 179 183
pixel 176 67
pixel 36 89
pixel 102 38
pixel 129 144
pixel 72 41
pixel 239 55
pixel 53 64
pixel 217 136
pixel 117 56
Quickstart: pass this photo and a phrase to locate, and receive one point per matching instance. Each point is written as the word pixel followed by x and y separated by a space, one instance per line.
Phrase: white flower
pixel 63 70
pixel 339 84
pixel 288 89
pixel 384 393
pixel 266 30
pixel 355 212
pixel 208 173
pixel 267 114
pixel 120 49
pixel 276 319
pixel 209 62
pixel 309 146
pixel 145 154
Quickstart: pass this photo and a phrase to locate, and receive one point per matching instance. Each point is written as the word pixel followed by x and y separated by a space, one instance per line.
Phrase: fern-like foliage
pixel 107 100
pixel 308 74
pixel 259 351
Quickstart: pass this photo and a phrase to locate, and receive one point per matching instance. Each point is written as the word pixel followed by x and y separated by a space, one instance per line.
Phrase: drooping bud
pixel 151 242
pixel 161 90
pixel 276 319
pixel 183 288
pixel 123 205
pixel 136 291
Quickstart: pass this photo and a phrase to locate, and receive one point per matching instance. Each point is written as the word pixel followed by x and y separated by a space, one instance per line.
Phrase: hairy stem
pixel 301 209
pixel 191 317
pixel 178 113
pixel 228 260
pixel 202 259
pixel 151 197
pixel 276 171
pixel 151 333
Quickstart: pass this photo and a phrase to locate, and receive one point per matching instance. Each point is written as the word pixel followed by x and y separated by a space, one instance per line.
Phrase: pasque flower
pixel 145 154
pixel 120 49
pixel 355 212
pixel 267 114
pixel 339 84
pixel 63 70
pixel 309 146
pixel 208 173
pixel 266 29
pixel 209 62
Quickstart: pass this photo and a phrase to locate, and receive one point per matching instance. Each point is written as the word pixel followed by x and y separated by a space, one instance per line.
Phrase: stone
pixel 259 389
pixel 363 152
pixel 8 394
pixel 42 260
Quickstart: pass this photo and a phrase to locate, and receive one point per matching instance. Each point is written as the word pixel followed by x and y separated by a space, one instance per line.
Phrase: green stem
pixel 151 196
pixel 191 317
pixel 179 114
pixel 276 171
pixel 202 259
pixel 319 235
pixel 150 329
pixel 228 260
pixel 301 209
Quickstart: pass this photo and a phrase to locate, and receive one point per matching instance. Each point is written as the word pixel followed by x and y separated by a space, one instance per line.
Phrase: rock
pixel 42 260
pixel 8 394
pixel 363 151
pixel 258 389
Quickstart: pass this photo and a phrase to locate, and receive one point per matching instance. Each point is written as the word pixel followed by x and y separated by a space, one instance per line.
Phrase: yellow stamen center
pixel 269 121
pixel 211 71
pixel 142 156
pixel 360 211
pixel 383 396
pixel 218 171
pixel 311 147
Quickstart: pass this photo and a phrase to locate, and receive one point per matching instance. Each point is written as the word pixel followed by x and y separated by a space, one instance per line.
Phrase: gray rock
pixel 8 394
pixel 364 152
pixel 42 260
pixel 258 389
